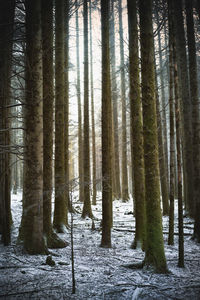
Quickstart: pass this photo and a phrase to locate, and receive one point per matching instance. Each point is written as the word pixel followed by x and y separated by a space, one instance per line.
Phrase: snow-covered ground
pixel 100 273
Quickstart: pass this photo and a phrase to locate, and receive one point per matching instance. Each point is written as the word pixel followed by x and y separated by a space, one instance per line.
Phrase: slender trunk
pixel 87 211
pixel 59 173
pixel 7 9
pixel 195 114
pixel 185 106
pixel 172 140
pixel 106 129
pixel 94 179
pixel 116 168
pixel 124 173
pixel 179 168
pixel 137 151
pixel 80 138
pixel 164 117
pixel 154 248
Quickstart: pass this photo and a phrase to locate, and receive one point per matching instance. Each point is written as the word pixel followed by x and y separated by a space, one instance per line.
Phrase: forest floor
pixel 100 273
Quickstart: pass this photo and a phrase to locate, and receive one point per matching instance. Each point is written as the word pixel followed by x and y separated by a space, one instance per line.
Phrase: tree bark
pixel 33 176
pixel 124 173
pixel 87 210
pixel 137 150
pixel 106 129
pixel 154 250
pixel 195 114
pixel 60 209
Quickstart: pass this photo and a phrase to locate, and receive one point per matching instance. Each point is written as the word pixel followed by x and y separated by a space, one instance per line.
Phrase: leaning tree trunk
pixel 195 114
pixel 185 105
pixel 137 151
pixel 59 172
pixel 33 176
pixel 87 210
pixel 7 9
pixel 106 129
pixel 154 248
pixel 124 173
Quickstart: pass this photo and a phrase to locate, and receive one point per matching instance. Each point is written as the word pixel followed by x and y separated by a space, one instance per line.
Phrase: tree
pixel 60 210
pixel 33 173
pixel 106 129
pixel 52 239
pixel 172 139
pixel 80 138
pixel 94 183
pixel 87 211
pixel 195 114
pixel 137 151
pixel 124 173
pixel 185 106
pixel 116 168
pixel 7 9
pixel 154 248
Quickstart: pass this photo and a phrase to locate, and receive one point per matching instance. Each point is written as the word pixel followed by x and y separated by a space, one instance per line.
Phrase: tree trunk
pixel 172 140
pixel 154 250
pixel 52 239
pixel 179 168
pixel 195 114
pixel 94 179
pixel 124 173
pixel 137 151
pixel 106 129
pixel 116 168
pixel 80 138
pixel 59 173
pixel 33 176
pixel 87 211
pixel 7 9
pixel 185 105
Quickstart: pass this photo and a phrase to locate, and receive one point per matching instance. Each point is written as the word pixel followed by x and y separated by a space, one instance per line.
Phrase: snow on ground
pixel 100 273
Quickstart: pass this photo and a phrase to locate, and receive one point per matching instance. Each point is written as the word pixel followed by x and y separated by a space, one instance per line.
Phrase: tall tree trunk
pixel 94 177
pixel 106 129
pixel 195 114
pixel 116 168
pixel 185 105
pixel 124 173
pixel 164 117
pixel 66 108
pixel 33 176
pixel 154 248
pixel 52 239
pixel 137 151
pixel 87 211
pixel 80 137
pixel 7 9
pixel 179 168
pixel 172 140
pixel 59 173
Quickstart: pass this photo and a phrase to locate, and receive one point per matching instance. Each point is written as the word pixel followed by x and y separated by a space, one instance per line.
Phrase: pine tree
pixel 7 9
pixel 60 210
pixel 106 129
pixel 154 248
pixel 124 173
pixel 33 174
pixel 136 128
pixel 87 211
pixel 52 239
